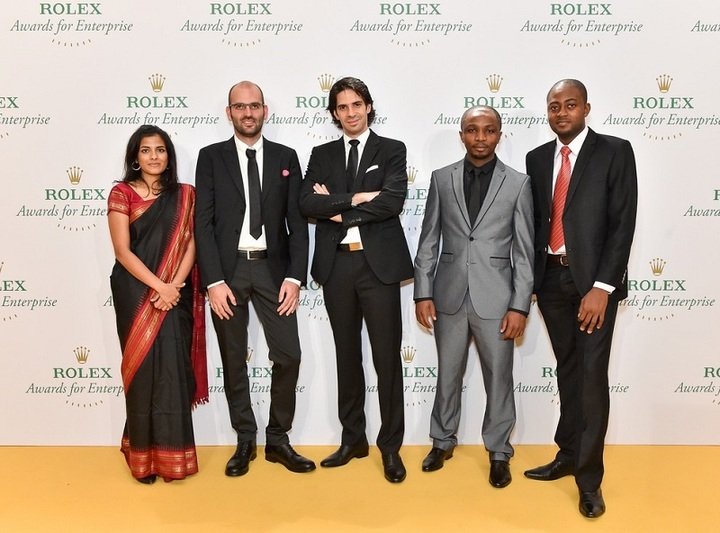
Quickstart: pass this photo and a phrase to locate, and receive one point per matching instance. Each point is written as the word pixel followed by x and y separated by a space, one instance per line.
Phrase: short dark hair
pixel 479 108
pixel 573 83
pixel 352 84
pixel 169 178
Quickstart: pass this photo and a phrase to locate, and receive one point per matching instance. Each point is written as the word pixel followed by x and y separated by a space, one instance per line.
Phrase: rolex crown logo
pixel 249 354
pixel 81 354
pixel 664 81
pixel 657 266
pixel 326 81
pixel 412 173
pixel 74 174
pixel 494 82
pixel 156 82
pixel 408 354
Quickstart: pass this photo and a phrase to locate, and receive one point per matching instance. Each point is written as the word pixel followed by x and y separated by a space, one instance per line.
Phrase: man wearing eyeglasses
pixel 252 246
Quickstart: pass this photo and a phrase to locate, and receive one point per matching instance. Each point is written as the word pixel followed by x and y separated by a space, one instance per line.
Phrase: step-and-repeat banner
pixel 77 78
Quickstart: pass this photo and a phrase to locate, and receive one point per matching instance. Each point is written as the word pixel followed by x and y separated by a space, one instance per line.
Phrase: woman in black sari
pixel 159 311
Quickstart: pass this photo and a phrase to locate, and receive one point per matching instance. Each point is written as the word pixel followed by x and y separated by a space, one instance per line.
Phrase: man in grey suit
pixel 474 277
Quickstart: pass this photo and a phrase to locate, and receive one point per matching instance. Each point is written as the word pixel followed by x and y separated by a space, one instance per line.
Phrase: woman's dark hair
pixel 169 178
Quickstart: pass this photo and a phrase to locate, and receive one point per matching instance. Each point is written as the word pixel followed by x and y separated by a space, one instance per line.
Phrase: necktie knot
pixel 354 142
pixel 565 151
pixel 250 153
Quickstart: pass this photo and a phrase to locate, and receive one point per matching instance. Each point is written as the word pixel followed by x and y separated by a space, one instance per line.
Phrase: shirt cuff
pixel 215 284
pixel 295 281
pixel 604 286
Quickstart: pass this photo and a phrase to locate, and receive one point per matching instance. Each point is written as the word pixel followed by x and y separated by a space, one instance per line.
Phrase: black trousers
pixel 582 375
pixel 252 282
pixel 352 294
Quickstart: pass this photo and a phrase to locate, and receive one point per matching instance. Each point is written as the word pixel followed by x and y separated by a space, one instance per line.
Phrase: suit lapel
pixel 338 164
pixel 496 182
pixel 271 169
pixel 369 152
pixel 546 173
pixel 581 163
pixel 230 157
pixel 458 187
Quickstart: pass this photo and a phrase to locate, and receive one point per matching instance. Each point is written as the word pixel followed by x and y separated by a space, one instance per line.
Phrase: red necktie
pixel 557 237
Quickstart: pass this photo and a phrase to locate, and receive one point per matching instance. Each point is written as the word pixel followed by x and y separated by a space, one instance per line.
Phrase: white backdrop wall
pixel 77 78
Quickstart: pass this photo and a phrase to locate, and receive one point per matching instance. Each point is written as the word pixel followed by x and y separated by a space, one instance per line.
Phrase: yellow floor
pixel 646 488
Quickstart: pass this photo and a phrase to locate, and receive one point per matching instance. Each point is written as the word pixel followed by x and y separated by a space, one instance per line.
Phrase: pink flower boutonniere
pixel 285 173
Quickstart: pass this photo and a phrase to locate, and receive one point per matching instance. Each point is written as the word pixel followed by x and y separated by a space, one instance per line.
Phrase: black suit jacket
pixel 382 167
pixel 220 206
pixel 599 216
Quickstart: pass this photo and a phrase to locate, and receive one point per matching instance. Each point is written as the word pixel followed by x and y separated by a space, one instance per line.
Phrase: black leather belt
pixel 253 255
pixel 350 247
pixel 557 260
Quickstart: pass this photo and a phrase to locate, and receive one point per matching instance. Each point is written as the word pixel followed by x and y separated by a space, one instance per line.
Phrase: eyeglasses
pixel 253 106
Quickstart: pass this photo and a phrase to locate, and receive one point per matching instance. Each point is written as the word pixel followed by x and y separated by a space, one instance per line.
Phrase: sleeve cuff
pixel 604 286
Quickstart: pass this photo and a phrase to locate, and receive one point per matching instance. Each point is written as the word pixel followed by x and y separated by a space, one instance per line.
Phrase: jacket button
pixel 472 239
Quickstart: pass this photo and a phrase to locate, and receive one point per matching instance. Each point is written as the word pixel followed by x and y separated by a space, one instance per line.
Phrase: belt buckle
pixel 563 260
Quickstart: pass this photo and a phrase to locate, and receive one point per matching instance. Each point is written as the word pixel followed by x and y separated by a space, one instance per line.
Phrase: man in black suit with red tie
pixel 252 246
pixel 585 198
pixel 355 188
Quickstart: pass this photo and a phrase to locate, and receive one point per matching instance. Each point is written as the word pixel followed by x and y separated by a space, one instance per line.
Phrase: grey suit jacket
pixel 492 258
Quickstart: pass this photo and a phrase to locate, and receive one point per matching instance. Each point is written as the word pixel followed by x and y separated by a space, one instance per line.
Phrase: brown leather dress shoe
pixel 551 471
pixel 344 453
pixel 436 459
pixel 289 458
pixel 239 463
pixel 500 474
pixel 592 504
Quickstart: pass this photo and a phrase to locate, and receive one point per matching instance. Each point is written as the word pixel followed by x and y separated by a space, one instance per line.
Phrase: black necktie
pixel 475 198
pixel 254 193
pixel 352 164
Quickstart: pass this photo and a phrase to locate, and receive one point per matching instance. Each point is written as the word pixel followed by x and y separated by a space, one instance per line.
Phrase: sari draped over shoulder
pixel 164 368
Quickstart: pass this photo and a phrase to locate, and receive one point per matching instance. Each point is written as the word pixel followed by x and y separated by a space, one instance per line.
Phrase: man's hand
pixel 425 313
pixel 288 298
pixel 364 197
pixel 513 325
pixel 591 314
pixel 219 296
pixel 320 188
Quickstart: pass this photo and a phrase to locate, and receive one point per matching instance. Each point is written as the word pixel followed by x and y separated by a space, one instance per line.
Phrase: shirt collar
pixel 241 146
pixel 363 137
pixel 574 145
pixel 485 168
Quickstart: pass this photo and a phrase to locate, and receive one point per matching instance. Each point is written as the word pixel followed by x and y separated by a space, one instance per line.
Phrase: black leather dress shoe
pixel 289 458
pixel 344 453
pixel 148 480
pixel 394 467
pixel 239 463
pixel 500 474
pixel 592 504
pixel 436 459
pixel 551 471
